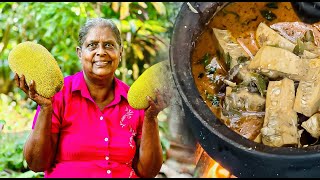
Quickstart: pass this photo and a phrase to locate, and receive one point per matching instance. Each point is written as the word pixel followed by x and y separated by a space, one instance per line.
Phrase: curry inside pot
pixel 257 68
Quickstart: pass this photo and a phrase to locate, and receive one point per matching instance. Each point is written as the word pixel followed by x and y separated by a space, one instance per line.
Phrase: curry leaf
pixel 225 12
pixel 268 15
pixel 260 82
pixel 215 100
pixel 205 60
pixel 228 59
pixel 273 5
pixel 242 59
pixel 211 69
pixel 308 36
pixel 299 48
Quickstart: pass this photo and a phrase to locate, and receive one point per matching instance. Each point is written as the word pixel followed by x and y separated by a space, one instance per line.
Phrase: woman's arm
pixel 148 160
pixel 40 147
pixel 149 153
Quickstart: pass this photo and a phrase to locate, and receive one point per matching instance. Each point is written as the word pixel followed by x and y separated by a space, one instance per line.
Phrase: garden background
pixel 146 29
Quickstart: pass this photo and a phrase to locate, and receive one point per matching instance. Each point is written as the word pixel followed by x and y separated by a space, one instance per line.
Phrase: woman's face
pixel 100 53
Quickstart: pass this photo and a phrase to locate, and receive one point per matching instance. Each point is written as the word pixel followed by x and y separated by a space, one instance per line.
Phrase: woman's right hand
pixel 31 91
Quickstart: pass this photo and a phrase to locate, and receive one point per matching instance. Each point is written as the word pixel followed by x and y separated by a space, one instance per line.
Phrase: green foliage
pixel 17 120
pixel 3 122
pixel 145 29
pixel 11 156
pixel 30 174
pixel 17 116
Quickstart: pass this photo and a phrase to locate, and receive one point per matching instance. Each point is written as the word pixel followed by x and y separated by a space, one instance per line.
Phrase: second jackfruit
pixel 36 63
pixel 155 77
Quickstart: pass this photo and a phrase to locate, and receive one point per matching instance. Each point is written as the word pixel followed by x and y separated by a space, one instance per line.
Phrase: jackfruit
pixel 155 77
pixel 36 63
pixel 267 36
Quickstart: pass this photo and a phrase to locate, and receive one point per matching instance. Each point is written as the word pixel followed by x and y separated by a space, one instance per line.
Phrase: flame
pixel 217 171
pixel 211 168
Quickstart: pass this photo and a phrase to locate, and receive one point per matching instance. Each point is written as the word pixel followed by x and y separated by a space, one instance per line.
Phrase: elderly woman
pixel 88 128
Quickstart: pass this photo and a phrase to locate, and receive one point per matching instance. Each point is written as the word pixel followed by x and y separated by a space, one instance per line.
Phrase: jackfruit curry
pixel 257 67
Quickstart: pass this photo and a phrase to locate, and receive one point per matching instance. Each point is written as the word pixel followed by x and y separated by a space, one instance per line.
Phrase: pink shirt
pixel 93 143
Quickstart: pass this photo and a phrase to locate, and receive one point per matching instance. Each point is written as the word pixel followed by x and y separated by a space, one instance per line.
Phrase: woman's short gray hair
pixel 96 22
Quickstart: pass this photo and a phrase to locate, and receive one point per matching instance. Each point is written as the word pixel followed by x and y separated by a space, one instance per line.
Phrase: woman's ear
pixel 79 53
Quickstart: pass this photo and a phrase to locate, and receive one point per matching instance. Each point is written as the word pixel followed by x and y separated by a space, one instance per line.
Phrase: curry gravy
pixel 241 19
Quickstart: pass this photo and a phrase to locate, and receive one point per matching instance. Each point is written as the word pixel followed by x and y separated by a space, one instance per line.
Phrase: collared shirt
pixel 93 143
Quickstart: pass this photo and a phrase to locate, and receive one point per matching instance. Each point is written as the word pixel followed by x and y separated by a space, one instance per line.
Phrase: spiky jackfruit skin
pixel 36 63
pixel 155 77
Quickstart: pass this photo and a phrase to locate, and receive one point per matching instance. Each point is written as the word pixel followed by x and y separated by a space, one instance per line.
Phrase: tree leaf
pixel 150 50
pixel 137 50
pixel 28 174
pixel 133 26
pixel 160 8
pixel 165 143
pixel 2 121
pixel 143 4
pixel 125 26
pixel 115 6
pixel 124 10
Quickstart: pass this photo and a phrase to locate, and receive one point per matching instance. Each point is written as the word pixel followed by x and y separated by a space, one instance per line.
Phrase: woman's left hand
pixel 158 104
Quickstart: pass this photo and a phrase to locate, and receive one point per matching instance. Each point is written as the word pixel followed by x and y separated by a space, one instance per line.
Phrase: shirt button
pixel 106 139
pixel 107 158
pixel 108 171
pixel 101 117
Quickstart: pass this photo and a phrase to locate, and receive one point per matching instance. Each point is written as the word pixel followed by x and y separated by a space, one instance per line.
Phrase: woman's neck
pixel 101 91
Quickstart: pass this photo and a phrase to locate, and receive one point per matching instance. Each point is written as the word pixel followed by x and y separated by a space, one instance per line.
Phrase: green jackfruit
pixel 36 63
pixel 155 77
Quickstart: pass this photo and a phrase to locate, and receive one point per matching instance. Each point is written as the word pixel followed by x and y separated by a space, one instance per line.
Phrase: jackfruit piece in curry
pixel 236 90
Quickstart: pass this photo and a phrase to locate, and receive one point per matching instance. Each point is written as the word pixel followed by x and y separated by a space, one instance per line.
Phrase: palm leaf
pixel 124 10
pixel 143 4
pixel 115 6
pixel 160 8
pixel 138 51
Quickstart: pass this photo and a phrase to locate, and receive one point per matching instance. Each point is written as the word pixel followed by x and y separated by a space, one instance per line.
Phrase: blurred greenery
pixel 17 119
pixel 146 31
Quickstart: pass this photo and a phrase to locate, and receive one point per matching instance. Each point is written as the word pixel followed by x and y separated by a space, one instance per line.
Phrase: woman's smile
pixel 101 64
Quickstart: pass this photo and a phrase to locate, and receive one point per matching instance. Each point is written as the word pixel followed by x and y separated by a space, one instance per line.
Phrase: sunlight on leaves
pixel 115 6
pixel 143 4
pixel 124 10
pixel 159 6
